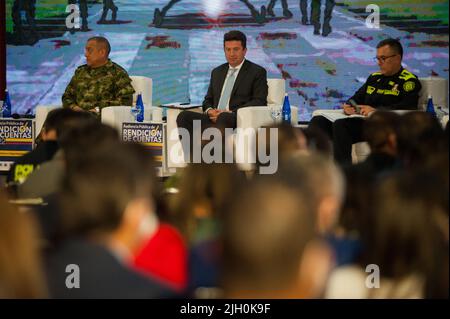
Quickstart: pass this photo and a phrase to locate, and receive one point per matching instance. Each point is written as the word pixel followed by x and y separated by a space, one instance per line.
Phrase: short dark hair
pixel 420 137
pixel 379 126
pixel 394 44
pixel 97 189
pixel 403 236
pixel 55 117
pixel 86 137
pixel 103 42
pixel 235 35
pixel 61 119
pixel 267 257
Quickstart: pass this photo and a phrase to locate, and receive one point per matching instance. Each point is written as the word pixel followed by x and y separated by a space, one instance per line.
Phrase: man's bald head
pixel 102 43
pixel 97 51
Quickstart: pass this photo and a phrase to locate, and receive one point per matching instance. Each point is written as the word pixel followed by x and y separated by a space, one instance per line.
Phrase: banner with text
pixel 16 138
pixel 148 134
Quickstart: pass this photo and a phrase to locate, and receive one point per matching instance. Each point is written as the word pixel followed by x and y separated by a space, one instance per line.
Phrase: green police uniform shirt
pixel 396 92
pixel 108 85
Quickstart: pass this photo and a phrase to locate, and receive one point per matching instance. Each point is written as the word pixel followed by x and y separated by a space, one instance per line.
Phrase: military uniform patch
pixel 409 86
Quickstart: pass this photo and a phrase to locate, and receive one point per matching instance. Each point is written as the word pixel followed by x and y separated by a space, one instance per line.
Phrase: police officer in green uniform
pixel 392 88
pixel 99 83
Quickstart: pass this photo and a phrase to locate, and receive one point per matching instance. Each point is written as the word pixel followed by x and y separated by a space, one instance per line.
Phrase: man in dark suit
pixel 233 85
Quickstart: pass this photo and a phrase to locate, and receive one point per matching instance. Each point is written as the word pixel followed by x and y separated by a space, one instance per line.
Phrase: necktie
pixel 225 97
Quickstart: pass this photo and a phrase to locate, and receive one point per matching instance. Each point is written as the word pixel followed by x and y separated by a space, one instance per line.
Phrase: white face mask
pixel 148 225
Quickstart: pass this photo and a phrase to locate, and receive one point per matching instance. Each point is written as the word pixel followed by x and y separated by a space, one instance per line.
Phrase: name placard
pixel 16 139
pixel 151 135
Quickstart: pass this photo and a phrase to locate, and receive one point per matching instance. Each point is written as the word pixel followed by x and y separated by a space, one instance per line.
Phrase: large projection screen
pixel 181 43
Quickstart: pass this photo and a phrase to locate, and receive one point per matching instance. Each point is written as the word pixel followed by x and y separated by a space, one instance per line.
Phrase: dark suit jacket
pixel 250 87
pixel 101 274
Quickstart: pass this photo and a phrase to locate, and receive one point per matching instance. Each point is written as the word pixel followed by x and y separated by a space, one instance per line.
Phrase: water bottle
pixel 286 110
pixel 140 109
pixel 6 109
pixel 430 106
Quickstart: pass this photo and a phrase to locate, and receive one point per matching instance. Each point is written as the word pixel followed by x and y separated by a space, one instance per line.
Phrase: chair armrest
pixel 41 115
pixel 257 116
pixel 116 115
pixel 172 130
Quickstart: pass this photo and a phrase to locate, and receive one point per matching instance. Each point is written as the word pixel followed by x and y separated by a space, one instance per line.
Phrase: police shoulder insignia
pixel 370 89
pixel 406 75
pixel 409 86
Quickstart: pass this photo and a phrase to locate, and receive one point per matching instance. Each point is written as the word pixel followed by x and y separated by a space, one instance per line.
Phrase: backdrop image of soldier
pixel 109 5
pixel 304 11
pixel 327 15
pixel 259 16
pixel 286 12
pixel 29 9
pixel 82 5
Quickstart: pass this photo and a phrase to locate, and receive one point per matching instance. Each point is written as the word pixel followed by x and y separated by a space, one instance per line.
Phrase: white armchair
pixel 41 115
pixel 435 86
pixel 277 89
pixel 116 115
pixel 255 117
pixel 144 85
pixel 247 117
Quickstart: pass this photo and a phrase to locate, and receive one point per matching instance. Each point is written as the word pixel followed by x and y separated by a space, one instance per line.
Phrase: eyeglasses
pixel 383 58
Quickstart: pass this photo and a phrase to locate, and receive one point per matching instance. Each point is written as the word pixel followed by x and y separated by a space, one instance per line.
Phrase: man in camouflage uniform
pixel 392 88
pixel 99 83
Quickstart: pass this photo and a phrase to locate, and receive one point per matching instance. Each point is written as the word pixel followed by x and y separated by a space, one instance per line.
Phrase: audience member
pixel 46 179
pixel 270 249
pixel 107 212
pixel 44 150
pixel 21 273
pixel 420 138
pixel 401 241
pixel 197 211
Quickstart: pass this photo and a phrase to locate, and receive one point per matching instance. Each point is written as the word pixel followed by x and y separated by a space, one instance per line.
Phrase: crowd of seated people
pixel 376 229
